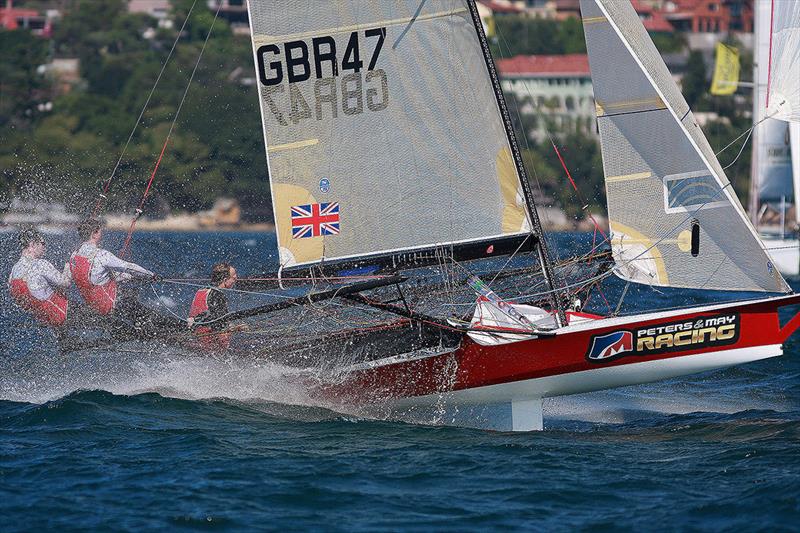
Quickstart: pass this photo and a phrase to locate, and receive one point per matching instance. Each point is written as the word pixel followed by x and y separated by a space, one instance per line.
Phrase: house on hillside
pixel 235 12
pixel 12 18
pixel 652 19
pixel 158 9
pixel 555 89
pixel 709 16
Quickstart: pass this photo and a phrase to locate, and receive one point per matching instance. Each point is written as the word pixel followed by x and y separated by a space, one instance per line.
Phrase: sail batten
pixel 382 129
pixel 674 218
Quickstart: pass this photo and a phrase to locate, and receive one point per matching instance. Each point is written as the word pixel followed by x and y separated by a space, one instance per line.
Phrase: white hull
pixel 524 397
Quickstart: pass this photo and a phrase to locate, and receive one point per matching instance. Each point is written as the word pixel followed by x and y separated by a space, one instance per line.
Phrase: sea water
pixel 134 441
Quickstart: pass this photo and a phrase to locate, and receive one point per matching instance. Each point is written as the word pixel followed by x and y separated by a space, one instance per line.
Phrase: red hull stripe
pixel 473 365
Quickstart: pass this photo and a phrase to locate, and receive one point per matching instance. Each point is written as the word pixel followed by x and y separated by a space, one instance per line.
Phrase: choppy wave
pixel 157 440
pixel 150 461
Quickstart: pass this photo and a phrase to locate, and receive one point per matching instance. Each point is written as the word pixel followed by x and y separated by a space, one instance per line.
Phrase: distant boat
pixel 393 161
pixel 775 176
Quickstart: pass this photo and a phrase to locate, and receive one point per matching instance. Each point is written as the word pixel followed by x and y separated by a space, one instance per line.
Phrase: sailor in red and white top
pixel 35 284
pixel 97 272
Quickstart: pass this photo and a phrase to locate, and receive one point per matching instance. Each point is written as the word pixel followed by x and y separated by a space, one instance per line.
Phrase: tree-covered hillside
pixel 61 145
pixel 216 147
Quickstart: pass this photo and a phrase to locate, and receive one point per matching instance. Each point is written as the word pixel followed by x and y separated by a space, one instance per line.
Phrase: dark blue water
pixel 126 441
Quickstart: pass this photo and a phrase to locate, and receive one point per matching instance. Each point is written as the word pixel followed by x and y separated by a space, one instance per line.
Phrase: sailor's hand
pixel 241 327
pixel 156 278
pixel 190 322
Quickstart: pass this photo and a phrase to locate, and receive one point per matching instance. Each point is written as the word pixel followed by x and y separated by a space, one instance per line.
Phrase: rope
pixel 126 247
pixel 584 203
pixel 735 159
pixel 622 297
pixel 102 196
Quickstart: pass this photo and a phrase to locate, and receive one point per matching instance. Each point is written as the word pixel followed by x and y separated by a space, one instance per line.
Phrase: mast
pixel 536 226
pixel 752 200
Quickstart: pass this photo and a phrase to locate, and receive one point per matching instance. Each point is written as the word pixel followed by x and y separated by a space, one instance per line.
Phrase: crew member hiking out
pixel 97 272
pixel 36 285
pixel 210 307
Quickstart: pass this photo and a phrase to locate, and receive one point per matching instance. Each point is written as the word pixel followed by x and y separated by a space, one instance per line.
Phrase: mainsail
pixel 675 220
pixel 783 99
pixel 771 164
pixel 383 131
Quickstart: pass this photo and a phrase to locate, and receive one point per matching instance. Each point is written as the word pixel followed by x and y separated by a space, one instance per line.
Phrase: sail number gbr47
pixel 340 82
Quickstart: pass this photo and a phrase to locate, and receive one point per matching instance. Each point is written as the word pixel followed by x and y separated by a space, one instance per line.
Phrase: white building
pixel 557 90
pixel 158 9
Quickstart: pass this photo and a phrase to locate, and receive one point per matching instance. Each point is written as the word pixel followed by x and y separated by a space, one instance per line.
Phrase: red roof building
pixel 30 19
pixel 502 7
pixel 652 19
pixel 567 65
pixel 556 90
pixel 710 16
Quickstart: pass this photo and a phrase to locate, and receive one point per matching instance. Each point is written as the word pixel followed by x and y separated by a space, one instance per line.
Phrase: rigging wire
pixel 126 247
pixel 107 184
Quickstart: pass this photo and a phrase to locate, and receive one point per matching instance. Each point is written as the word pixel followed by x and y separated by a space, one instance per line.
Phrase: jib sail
pixel 382 129
pixel 667 195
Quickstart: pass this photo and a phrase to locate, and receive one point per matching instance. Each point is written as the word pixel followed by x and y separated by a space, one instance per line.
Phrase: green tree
pixel 570 35
pixel 694 81
pixel 21 86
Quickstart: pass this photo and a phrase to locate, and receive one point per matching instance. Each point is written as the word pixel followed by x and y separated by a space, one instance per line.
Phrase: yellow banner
pixel 726 71
pixel 489 26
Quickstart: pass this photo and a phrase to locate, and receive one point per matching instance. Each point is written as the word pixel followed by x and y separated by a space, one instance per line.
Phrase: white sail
pixel 382 129
pixel 771 166
pixel 675 220
pixel 783 100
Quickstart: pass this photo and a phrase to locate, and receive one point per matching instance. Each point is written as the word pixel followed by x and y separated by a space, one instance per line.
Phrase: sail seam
pixel 623 113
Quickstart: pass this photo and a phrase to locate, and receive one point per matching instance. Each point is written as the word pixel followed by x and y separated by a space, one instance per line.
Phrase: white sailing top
pixel 106 265
pixel 40 276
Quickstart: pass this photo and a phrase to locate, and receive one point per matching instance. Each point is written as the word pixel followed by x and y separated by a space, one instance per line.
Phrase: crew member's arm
pixel 55 278
pixel 112 262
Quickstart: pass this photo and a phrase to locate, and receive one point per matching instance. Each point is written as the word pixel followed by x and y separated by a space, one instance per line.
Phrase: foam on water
pixel 170 373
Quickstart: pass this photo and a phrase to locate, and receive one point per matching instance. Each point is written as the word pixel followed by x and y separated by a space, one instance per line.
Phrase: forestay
pixel 783 100
pixel 675 220
pixel 382 128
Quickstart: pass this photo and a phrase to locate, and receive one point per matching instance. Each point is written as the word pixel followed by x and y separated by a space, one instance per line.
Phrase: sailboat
pixel 775 183
pixel 392 161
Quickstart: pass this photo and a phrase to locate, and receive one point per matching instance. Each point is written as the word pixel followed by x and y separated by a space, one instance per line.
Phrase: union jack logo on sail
pixel 315 220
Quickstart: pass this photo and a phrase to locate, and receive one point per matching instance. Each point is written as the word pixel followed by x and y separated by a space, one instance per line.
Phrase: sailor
pixel 36 285
pixel 97 272
pixel 211 307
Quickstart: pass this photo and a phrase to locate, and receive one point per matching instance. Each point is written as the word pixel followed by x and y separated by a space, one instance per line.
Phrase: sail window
pixel 692 191
pixel 695 238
